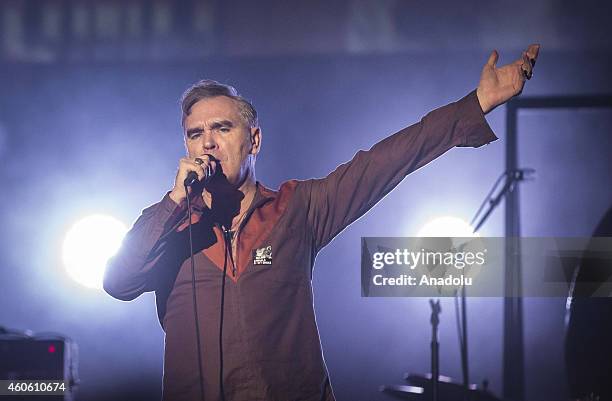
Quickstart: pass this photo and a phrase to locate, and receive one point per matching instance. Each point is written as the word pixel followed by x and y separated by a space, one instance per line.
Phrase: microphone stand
pixel 435 345
pixel 512 178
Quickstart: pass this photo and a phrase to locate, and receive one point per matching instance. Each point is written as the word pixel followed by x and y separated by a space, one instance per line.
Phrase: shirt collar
pixel 262 196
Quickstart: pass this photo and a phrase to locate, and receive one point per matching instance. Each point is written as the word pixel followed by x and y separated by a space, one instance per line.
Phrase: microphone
pixel 192 176
pixel 191 179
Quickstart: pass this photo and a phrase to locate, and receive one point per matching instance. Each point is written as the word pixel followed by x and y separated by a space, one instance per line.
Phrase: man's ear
pixel 255 138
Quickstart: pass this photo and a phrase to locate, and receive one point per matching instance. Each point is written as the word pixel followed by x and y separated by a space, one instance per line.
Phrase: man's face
pixel 215 127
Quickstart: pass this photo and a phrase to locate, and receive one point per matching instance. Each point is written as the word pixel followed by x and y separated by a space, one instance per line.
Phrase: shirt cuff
pixel 472 126
pixel 173 212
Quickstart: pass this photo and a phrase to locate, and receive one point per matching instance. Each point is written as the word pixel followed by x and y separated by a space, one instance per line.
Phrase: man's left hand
pixel 498 85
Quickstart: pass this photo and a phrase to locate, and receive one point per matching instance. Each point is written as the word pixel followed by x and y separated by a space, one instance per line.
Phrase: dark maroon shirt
pixel 270 342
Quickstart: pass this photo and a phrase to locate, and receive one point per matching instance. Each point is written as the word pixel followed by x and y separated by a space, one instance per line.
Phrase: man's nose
pixel 209 141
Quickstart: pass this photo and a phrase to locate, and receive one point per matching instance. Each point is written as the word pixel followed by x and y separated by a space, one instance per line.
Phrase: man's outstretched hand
pixel 498 85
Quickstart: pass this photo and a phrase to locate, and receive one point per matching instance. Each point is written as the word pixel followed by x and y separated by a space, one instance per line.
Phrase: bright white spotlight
pixel 447 226
pixel 88 246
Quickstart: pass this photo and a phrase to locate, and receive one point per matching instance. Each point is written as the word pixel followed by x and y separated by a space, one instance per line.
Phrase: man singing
pixel 248 331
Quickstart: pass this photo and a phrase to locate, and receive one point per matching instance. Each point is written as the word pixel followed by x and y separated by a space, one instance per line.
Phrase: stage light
pixel 447 226
pixel 88 246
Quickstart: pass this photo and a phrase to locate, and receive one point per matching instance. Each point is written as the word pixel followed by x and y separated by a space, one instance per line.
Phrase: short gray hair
pixel 207 89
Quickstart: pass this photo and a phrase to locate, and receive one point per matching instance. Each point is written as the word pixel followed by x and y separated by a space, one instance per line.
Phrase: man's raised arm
pixel 354 187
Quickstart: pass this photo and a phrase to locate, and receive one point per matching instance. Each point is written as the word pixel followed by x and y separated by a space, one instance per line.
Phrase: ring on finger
pixel 198 161
pixel 527 73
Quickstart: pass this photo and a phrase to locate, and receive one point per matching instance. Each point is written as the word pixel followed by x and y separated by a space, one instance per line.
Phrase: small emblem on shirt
pixel 262 256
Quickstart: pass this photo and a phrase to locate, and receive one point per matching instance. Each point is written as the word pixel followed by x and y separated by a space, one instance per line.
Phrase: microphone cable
pixel 227 237
pixel 195 303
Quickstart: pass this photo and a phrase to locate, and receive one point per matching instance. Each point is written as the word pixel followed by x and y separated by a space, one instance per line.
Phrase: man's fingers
pixel 532 53
pixel 199 169
pixel 188 165
pixel 207 162
pixel 526 66
pixel 493 58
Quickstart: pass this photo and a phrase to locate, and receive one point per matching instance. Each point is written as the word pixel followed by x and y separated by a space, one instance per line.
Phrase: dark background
pixel 90 123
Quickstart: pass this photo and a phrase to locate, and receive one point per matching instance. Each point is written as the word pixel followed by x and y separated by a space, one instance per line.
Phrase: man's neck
pixel 229 205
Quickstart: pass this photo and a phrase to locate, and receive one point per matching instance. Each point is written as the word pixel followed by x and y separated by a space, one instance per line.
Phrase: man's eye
pixel 194 136
pixel 224 129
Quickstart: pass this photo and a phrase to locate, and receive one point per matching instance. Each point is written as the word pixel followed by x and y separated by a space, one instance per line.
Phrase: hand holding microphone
pixel 192 170
pixel 192 176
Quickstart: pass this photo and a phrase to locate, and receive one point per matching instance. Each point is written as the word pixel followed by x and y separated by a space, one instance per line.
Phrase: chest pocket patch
pixel 262 256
